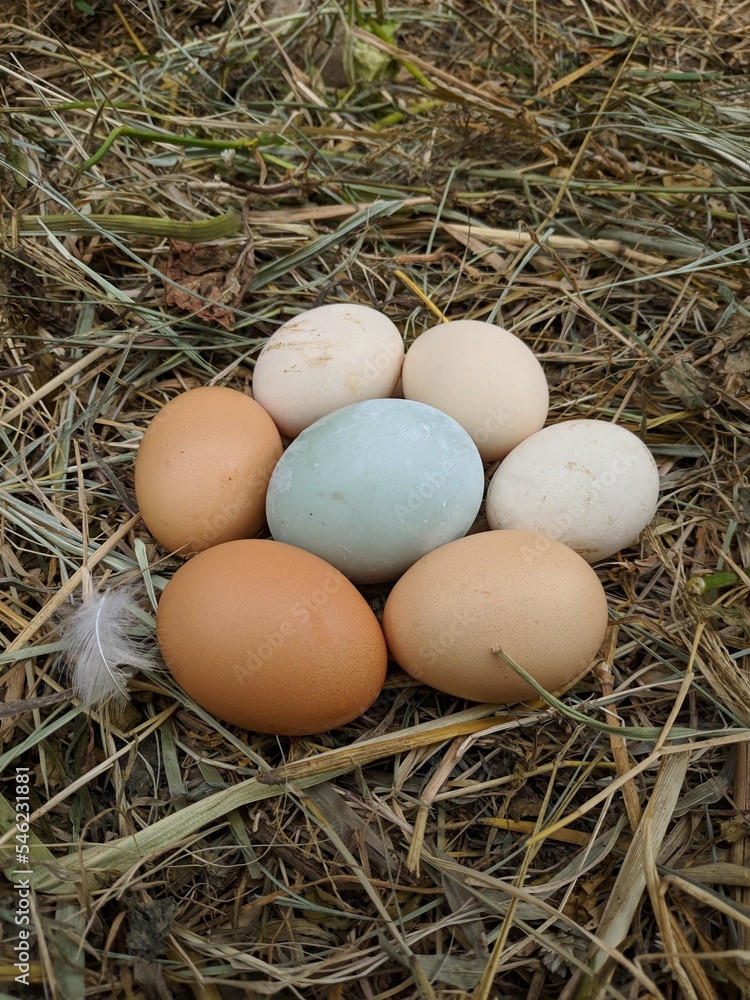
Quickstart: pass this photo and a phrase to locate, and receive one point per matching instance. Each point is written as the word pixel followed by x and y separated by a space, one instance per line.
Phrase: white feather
pixel 103 643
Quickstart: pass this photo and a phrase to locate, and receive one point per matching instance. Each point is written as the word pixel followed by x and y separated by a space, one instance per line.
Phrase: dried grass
pixel 577 172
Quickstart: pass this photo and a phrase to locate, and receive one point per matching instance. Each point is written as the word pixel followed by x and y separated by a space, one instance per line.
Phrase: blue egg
pixel 376 485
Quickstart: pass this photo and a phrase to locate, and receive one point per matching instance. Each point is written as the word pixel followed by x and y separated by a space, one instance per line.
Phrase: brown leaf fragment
pixel 149 976
pixel 523 803
pixel 687 384
pixel 737 361
pixel 731 353
pixel 697 176
pixel 10 694
pixel 207 279
pixel 149 924
pixel 734 830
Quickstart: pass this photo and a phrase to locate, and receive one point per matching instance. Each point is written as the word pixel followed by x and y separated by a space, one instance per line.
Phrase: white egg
pixel 588 483
pixel 325 359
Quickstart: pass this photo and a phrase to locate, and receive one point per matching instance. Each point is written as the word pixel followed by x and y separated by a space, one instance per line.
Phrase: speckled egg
pixel 374 486
pixel 324 359
pixel 202 469
pixel 485 377
pixel 589 483
pixel 271 638
pixel 528 595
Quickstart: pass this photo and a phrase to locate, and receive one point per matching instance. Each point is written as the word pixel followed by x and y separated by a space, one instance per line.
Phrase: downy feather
pixel 103 643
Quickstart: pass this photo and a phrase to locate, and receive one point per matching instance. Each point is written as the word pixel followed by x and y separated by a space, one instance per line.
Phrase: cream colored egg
pixel 588 483
pixel 532 597
pixel 325 359
pixel 484 377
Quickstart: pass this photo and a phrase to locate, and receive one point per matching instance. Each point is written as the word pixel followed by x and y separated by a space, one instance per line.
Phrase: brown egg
pixel 202 469
pixel 271 638
pixel 530 596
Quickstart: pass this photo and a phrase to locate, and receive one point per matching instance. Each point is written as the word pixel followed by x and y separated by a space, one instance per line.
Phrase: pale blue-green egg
pixel 376 485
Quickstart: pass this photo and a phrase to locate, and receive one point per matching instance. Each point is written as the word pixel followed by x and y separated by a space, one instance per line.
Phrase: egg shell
pixel 533 597
pixel 485 377
pixel 588 483
pixel 271 638
pixel 324 359
pixel 374 486
pixel 202 469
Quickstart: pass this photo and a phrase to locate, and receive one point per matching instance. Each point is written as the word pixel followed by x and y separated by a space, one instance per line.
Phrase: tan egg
pixel 271 638
pixel 530 596
pixel 325 359
pixel 202 469
pixel 484 377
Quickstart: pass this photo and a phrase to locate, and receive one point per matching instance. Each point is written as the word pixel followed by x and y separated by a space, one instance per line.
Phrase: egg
pixel 324 359
pixel 532 597
pixel 375 485
pixel 485 377
pixel 271 638
pixel 202 469
pixel 588 483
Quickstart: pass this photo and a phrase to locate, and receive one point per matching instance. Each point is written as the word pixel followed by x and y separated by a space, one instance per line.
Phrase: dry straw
pixel 578 173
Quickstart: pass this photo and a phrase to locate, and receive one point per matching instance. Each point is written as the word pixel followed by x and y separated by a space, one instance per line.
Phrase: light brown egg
pixel 271 638
pixel 202 469
pixel 533 597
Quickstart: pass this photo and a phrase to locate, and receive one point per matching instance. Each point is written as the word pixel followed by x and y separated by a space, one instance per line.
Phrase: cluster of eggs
pixel 274 634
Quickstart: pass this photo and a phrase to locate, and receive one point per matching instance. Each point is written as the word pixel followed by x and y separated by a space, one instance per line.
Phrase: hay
pixel 577 172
